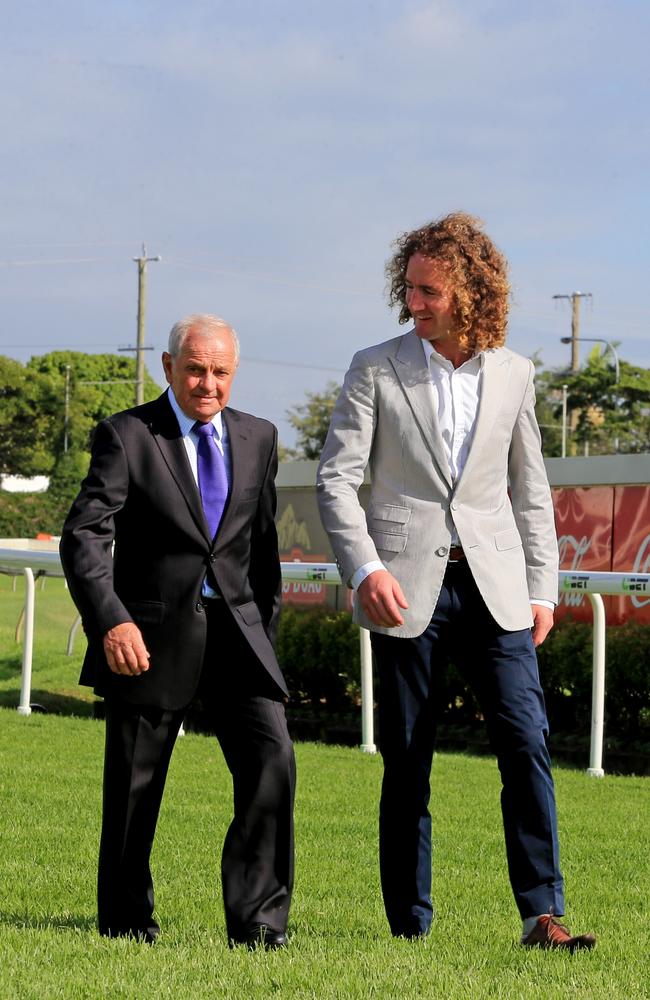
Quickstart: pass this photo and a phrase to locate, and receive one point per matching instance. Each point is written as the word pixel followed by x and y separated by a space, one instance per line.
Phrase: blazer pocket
pixel 250 613
pixel 389 512
pixel 508 539
pixel 147 612
pixel 389 541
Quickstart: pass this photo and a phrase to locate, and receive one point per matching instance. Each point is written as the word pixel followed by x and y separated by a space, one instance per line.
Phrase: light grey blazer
pixel 384 418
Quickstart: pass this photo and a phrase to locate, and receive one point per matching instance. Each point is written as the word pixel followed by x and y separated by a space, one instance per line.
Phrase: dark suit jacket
pixel 140 493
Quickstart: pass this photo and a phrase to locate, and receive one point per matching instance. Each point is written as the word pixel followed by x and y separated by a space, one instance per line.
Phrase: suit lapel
pixel 166 433
pixel 413 375
pixel 240 461
pixel 495 375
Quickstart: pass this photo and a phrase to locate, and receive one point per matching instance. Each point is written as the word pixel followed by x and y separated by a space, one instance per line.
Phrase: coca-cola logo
pixel 572 552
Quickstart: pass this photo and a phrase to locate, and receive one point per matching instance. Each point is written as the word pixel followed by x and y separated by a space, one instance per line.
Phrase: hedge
pixel 25 515
pixel 318 650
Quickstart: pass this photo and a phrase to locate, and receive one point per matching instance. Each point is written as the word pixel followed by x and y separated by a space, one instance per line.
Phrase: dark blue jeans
pixel 502 670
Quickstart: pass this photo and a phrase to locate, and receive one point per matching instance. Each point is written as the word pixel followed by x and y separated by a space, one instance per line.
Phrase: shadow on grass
pixel 10 667
pixel 54 702
pixel 48 922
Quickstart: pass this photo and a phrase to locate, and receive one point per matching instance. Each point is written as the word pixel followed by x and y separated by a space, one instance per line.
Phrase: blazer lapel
pixel 495 375
pixel 166 433
pixel 415 380
pixel 239 463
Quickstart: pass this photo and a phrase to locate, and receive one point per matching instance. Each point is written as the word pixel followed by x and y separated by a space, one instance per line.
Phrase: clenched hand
pixel 125 650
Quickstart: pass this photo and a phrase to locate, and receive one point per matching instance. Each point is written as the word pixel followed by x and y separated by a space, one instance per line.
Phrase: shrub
pixel 318 650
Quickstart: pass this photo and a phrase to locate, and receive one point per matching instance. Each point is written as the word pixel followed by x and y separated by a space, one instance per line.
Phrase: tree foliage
pixel 90 402
pixel 30 417
pixel 311 420
pixel 610 416
pixel 33 408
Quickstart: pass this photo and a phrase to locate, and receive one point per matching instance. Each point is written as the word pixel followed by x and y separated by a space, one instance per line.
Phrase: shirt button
pixel 442 551
pixel 454 505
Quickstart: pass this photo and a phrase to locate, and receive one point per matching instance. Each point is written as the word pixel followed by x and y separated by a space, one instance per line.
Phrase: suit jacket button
pixel 212 557
pixel 442 551
pixel 199 606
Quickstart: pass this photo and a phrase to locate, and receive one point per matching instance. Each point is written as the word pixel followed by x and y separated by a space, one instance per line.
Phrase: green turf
pixel 50 770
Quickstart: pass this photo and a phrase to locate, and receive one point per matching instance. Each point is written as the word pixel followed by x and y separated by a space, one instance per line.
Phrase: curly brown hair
pixel 479 273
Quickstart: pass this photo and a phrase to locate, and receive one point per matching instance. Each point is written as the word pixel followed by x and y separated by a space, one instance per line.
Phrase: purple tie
pixel 213 480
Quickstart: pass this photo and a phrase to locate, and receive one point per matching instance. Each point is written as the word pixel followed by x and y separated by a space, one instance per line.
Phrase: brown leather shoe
pixel 549 933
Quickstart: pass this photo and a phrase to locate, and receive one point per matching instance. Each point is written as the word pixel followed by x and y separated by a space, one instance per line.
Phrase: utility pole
pixel 140 348
pixel 574 299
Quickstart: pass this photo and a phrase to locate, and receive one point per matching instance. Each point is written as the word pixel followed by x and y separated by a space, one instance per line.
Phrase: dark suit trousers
pixel 502 670
pixel 248 719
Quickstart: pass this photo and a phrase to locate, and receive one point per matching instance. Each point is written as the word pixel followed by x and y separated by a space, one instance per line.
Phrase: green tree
pixel 611 416
pixel 311 420
pixel 30 417
pixel 99 384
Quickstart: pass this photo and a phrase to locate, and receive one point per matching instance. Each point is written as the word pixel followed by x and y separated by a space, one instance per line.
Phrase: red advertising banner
pixel 583 520
pixel 604 528
pixel 631 549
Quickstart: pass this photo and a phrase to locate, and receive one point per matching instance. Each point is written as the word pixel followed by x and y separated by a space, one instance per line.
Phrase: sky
pixel 271 152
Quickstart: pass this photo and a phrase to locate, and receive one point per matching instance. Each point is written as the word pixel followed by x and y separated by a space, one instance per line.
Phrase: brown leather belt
pixel 456 553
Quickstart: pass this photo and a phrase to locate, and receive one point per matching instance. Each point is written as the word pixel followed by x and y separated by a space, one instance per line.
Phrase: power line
pixel 67 260
pixel 291 364
pixel 271 278
pixel 27 246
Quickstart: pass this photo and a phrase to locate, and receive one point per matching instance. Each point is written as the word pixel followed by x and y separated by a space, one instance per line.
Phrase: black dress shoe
pixel 262 936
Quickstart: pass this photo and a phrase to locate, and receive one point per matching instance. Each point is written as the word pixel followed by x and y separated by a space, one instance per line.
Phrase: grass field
pixel 339 946
pixel 50 773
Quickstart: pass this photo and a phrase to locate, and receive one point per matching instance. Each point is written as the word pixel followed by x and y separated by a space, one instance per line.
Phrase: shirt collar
pixel 430 353
pixel 186 423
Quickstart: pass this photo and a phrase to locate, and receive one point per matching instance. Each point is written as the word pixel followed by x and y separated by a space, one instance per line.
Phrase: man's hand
pixel 542 622
pixel 125 650
pixel 381 598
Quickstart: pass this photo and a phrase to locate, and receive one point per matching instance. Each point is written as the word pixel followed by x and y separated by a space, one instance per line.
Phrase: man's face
pixel 430 300
pixel 201 374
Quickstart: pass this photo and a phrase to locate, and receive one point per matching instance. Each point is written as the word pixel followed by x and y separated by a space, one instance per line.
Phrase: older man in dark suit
pixel 186 605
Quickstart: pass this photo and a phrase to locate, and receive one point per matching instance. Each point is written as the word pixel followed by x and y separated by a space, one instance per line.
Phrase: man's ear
pixel 167 366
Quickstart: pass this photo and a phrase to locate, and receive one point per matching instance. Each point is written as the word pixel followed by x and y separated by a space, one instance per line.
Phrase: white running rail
pixel 29 561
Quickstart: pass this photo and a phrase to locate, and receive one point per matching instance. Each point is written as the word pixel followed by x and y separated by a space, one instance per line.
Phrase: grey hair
pixel 202 325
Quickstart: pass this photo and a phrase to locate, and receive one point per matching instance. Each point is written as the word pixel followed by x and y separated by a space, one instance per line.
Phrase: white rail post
pixel 595 769
pixel 28 644
pixel 367 699
pixel 71 635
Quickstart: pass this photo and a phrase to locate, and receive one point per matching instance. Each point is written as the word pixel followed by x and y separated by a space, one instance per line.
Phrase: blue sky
pixel 271 151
